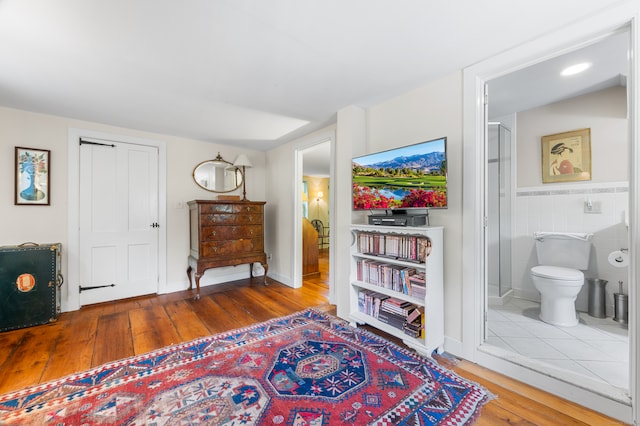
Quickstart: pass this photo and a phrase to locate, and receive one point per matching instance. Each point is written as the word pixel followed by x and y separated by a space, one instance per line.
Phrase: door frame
pixel 305 143
pixel 70 300
pixel 474 206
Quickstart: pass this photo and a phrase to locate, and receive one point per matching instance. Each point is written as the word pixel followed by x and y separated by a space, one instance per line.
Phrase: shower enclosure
pixel 499 210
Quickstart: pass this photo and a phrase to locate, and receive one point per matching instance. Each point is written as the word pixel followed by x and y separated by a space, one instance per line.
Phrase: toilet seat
pixel 558 273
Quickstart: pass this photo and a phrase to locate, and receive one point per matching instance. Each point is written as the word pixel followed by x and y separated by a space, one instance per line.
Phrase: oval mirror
pixel 217 175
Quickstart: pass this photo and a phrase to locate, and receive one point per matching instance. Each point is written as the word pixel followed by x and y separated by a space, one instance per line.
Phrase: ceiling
pixel 542 83
pixel 316 160
pixel 247 72
pixel 533 86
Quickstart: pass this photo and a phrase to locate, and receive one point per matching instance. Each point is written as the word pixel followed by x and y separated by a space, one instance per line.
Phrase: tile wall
pixel 561 208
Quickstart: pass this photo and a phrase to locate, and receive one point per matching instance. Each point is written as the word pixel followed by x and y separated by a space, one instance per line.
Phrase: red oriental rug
pixel 308 368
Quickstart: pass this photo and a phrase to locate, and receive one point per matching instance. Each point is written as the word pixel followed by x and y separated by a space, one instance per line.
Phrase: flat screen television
pixel 409 177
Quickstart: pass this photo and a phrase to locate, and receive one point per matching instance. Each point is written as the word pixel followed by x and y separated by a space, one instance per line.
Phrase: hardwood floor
pixel 106 332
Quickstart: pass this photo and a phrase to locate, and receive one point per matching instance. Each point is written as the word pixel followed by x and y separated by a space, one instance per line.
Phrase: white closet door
pixel 118 221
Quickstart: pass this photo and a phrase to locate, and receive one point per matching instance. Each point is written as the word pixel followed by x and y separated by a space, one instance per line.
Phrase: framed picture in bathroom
pixel 566 157
pixel 32 176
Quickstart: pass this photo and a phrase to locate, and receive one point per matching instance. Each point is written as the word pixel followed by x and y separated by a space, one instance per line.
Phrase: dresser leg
pixel 197 286
pixel 266 269
pixel 189 269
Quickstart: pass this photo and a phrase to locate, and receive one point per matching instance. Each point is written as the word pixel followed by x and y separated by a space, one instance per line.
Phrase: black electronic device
pixel 398 219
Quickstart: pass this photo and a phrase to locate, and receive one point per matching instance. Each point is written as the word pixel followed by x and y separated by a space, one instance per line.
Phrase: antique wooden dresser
pixel 225 233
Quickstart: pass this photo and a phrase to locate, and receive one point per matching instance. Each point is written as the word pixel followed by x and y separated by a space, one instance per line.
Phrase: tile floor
pixel 595 348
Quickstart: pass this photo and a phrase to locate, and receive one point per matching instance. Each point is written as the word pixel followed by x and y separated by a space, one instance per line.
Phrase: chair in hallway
pixel 323 232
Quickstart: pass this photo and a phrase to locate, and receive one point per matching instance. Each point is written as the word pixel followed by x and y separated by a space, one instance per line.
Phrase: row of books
pixel 405 247
pixel 397 313
pixel 418 285
pixel 395 277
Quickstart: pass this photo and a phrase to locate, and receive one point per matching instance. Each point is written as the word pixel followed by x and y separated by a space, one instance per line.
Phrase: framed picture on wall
pixel 32 176
pixel 566 157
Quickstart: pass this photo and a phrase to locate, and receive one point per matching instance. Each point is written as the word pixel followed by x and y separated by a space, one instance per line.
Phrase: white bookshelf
pixel 432 303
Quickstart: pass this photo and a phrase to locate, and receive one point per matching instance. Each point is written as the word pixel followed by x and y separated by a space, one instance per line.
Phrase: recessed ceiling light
pixel 576 69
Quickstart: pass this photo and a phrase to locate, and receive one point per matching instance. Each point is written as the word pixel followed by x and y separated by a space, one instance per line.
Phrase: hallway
pixel 322 277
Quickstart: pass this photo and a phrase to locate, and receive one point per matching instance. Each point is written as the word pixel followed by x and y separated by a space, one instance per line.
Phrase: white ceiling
pixel 542 84
pixel 316 160
pixel 534 86
pixel 254 73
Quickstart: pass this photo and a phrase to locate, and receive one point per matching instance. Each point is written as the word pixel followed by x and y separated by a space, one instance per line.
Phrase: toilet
pixel 562 256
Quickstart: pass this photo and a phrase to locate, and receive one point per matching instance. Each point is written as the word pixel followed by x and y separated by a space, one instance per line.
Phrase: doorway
pixel 316 204
pixel 118 220
pixel 614 402
pixel 75 262
pixel 595 349
pixel 313 202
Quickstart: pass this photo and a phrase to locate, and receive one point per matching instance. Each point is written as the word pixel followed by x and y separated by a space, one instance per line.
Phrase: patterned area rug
pixel 308 368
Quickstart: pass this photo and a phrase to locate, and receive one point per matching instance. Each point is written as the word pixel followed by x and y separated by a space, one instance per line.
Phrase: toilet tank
pixel 568 249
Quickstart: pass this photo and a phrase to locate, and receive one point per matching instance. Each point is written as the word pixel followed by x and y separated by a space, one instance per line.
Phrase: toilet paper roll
pixel 619 259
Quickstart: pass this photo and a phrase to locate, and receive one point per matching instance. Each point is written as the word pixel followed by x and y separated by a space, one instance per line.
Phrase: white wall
pixel 604 112
pixel 560 206
pixel 280 213
pixel 48 224
pixel 39 224
pixel 351 132
pixel 281 195
pixel 428 112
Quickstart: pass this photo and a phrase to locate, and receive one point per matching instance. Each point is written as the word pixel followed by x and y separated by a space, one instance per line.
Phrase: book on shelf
pixel 391 319
pixel 424 248
pixel 418 277
pixel 405 275
pixel 414 324
pixel 397 306
pixel 418 291
pixel 412 331
pixel 414 315
pixel 395 312
pixel 370 243
pixel 369 302
pixel 393 277
pixel 411 248
pixel 418 285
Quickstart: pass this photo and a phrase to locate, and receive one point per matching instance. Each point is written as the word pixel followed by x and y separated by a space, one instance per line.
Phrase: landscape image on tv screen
pixel 413 176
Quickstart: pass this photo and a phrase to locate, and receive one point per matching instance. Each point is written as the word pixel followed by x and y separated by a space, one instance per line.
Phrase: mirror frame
pixel 221 162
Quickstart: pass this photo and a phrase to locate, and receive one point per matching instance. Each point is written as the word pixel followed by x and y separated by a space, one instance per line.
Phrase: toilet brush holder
pixel 621 308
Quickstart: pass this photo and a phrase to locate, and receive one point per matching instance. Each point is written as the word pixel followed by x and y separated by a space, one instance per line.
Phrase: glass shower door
pixel 499 211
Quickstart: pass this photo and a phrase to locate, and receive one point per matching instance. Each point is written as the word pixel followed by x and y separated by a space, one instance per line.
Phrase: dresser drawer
pixel 231 208
pixel 213 233
pixel 230 219
pixel 232 247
